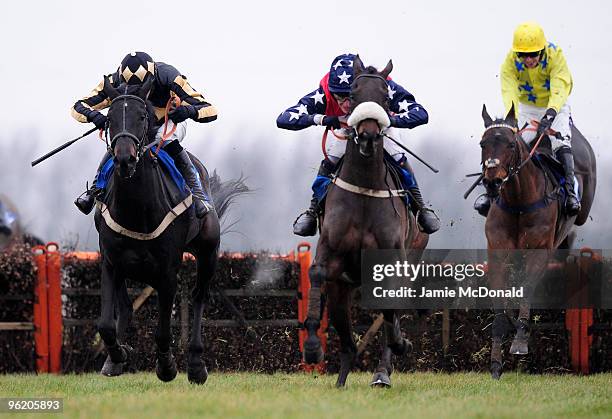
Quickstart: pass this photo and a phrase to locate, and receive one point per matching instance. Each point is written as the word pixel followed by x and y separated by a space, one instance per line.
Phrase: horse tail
pixel 223 194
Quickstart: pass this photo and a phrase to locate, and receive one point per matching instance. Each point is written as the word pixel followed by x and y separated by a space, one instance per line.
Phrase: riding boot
pixel 426 217
pixel 572 203
pixel 483 204
pixel 86 201
pixel 192 178
pixel 306 223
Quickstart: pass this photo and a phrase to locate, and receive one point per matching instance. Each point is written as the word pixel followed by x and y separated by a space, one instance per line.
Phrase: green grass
pixel 299 395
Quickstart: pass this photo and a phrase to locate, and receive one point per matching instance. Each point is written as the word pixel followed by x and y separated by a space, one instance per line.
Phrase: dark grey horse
pixel 359 215
pixel 132 246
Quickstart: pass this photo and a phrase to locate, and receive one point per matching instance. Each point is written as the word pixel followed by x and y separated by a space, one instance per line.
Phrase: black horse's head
pixel 500 154
pixel 369 106
pixel 129 123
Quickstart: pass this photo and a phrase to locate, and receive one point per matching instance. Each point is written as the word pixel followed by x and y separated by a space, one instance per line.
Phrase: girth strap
pixel 523 209
pixel 168 219
pixel 374 193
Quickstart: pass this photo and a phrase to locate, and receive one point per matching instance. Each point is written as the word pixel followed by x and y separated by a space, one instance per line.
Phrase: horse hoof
pixel 166 367
pixel 112 369
pixel 496 370
pixel 519 346
pixel 402 349
pixel 380 380
pixel 313 353
pixel 197 374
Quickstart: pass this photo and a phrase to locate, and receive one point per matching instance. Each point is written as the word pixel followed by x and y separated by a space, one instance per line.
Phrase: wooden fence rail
pixel 48 322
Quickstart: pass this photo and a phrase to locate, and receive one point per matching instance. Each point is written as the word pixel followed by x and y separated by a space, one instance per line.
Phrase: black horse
pixel 363 210
pixel 142 236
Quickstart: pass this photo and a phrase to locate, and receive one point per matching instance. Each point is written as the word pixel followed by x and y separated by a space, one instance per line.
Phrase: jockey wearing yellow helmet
pixel 536 80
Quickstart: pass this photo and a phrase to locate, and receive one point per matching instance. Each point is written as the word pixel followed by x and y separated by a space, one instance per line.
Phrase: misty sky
pixel 253 60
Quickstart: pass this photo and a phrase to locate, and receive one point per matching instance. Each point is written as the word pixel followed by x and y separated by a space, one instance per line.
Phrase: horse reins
pixel 139 141
pixel 351 135
pixel 514 170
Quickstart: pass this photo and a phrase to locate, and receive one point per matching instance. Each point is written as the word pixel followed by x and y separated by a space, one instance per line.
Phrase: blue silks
pixel 321 183
pixel 166 162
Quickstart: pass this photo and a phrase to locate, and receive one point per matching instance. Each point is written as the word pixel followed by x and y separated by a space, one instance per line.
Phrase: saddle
pixel 400 176
pixel 171 178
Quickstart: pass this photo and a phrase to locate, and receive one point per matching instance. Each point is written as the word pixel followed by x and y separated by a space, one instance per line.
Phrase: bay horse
pixel 360 214
pixel 527 212
pixel 134 244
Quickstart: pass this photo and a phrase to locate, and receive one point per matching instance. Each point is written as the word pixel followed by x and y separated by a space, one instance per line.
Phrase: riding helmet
pixel 528 37
pixel 136 68
pixel 341 74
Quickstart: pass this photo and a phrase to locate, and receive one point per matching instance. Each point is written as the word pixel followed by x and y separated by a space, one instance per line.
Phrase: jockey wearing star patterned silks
pixel 135 69
pixel 328 106
pixel 535 79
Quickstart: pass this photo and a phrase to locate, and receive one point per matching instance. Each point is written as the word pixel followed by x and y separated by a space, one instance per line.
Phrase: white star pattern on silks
pixel 294 116
pixel 317 97
pixel 302 109
pixel 350 63
pixel 391 92
pixel 338 64
pixel 344 77
pixel 403 105
pixel 404 115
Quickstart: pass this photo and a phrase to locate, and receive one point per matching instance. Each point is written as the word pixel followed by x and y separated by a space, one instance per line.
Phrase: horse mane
pixel 152 120
pixel 370 70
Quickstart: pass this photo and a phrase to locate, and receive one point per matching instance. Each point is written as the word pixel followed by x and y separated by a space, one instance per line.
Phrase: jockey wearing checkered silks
pixel 168 83
pixel 328 105
pixel 536 79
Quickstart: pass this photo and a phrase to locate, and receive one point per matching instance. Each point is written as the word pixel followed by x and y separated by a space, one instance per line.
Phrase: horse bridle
pixel 352 133
pixel 513 168
pixel 139 142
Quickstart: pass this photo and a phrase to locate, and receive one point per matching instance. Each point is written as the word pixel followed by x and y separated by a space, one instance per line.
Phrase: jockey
pixel 135 69
pixel 536 79
pixel 328 106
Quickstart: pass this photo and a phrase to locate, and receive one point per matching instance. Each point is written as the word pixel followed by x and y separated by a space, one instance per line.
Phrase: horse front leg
pixel 207 262
pixel 395 344
pixel 313 352
pixel 166 365
pixel 498 331
pixel 339 308
pixel 520 343
pixel 117 354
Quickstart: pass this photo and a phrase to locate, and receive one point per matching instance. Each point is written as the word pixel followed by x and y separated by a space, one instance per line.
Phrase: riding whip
pixel 433 169
pixel 60 148
pixel 469 191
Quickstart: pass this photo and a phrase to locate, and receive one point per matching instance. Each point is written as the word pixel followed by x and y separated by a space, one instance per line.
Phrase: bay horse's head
pixel 500 154
pixel 369 106
pixel 128 124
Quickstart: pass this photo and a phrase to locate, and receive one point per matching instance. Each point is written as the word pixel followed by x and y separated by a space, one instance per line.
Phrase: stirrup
pixel 87 200
pixel 427 220
pixel 482 204
pixel 303 227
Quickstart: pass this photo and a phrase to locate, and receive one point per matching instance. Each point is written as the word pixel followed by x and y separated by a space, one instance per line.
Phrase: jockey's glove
pixel 99 120
pixel 332 122
pixel 181 113
pixel 546 121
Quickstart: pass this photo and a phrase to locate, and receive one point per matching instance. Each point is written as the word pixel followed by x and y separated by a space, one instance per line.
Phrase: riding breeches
pixel 335 148
pixel 178 135
pixel 561 124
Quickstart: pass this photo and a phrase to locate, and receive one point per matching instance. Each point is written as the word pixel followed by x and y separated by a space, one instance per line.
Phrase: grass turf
pixel 299 395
